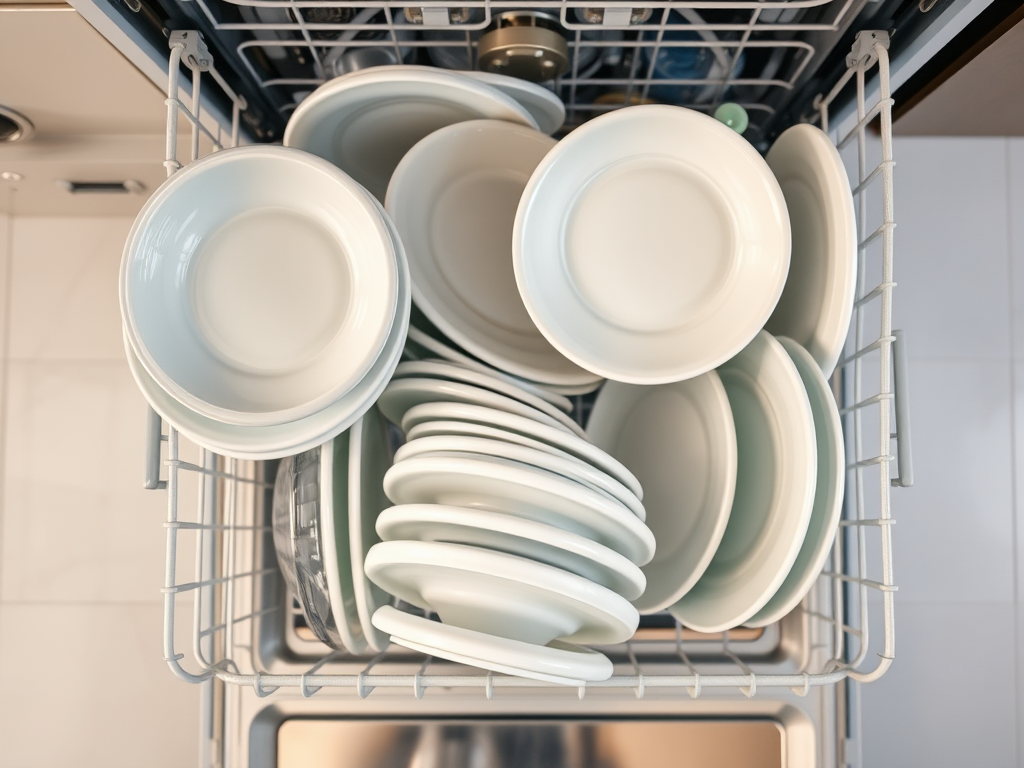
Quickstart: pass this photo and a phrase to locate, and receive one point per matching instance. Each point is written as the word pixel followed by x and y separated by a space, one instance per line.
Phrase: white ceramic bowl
pixel 453 199
pixel 651 244
pixel 280 440
pixel 365 121
pixel 259 285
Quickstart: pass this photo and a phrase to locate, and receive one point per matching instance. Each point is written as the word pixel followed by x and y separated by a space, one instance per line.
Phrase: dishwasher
pixel 784 694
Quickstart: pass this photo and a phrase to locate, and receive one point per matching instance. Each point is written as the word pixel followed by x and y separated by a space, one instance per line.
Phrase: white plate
pixel 828 491
pixel 403 394
pixel 333 517
pixel 465 419
pixel 425 341
pixel 524 491
pixel 515 536
pixel 439 369
pixel 501 594
pixel 564 464
pixel 555 663
pixel 817 301
pixel 264 443
pixel 681 441
pixel 651 245
pixel 369 458
pixel 546 108
pixel 366 121
pixel 775 477
pixel 453 199
pixel 258 285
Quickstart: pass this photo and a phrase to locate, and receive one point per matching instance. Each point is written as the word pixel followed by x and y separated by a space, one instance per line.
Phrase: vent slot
pixel 102 187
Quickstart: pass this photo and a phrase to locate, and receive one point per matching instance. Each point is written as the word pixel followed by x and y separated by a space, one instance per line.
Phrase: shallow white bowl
pixel 279 440
pixel 364 122
pixel 258 285
pixel 651 245
pixel 453 199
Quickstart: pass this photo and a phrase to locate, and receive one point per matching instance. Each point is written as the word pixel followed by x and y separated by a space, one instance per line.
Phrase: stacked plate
pixel 522 536
pixel 326 501
pixel 265 299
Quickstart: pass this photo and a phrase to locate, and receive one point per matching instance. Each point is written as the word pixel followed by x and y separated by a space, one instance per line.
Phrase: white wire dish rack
pixel 229 620
pixel 754 52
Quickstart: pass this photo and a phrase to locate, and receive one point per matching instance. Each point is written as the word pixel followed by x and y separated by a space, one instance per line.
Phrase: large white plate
pixel 258 285
pixel 828 491
pixel 681 441
pixel 403 394
pixel 366 121
pixel 425 341
pixel 554 663
pixel 522 490
pixel 439 369
pixel 369 458
pixel 546 108
pixel 651 245
pixel 453 199
pixel 817 301
pixel 336 543
pixel 274 442
pixel 564 464
pixel 515 536
pixel 775 477
pixel 465 419
pixel 501 594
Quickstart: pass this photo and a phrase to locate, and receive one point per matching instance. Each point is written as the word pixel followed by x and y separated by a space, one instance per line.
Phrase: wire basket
pixel 697 53
pixel 228 616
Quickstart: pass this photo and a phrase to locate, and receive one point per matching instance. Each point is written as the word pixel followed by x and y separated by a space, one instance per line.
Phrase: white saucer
pixel 775 478
pixel 463 419
pixel 440 369
pixel 651 245
pixel 524 491
pixel 369 458
pixel 546 108
pixel 403 394
pixel 334 526
pixel 681 441
pixel 453 199
pixel 366 121
pixel 501 594
pixel 555 663
pixel 564 465
pixel 242 304
pixel 817 301
pixel 828 492
pixel 418 338
pixel 277 441
pixel 515 536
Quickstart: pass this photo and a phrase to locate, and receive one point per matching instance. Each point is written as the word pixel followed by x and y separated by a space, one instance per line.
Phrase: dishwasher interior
pixel 781 695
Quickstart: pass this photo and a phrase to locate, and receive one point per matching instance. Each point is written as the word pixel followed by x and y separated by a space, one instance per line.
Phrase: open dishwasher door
pixel 780 695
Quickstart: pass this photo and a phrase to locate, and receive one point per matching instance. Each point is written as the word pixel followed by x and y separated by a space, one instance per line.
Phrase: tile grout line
pixel 1019 698
pixel 4 380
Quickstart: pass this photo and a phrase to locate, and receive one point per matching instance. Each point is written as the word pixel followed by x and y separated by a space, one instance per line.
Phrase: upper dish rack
pixel 243 629
pixel 753 53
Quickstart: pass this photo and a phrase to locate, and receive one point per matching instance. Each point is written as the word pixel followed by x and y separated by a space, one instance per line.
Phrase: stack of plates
pixel 743 471
pixel 265 299
pixel 326 501
pixel 521 535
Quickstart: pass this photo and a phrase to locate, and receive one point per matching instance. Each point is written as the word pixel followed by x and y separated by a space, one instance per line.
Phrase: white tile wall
pixel 954 694
pixel 82 676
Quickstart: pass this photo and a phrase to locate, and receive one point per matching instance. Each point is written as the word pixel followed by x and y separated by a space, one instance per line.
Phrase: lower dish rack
pixel 226 603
